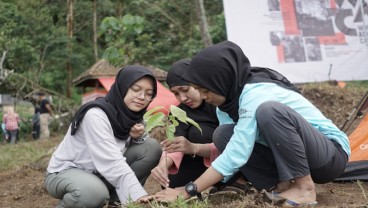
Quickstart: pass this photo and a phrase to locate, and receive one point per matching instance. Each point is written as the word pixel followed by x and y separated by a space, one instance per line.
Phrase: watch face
pixel 191 189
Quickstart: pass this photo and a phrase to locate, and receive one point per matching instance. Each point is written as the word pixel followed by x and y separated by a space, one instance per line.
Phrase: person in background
pixel 45 113
pixel 279 140
pixel 190 153
pixel 36 123
pixel 11 121
pixel 105 154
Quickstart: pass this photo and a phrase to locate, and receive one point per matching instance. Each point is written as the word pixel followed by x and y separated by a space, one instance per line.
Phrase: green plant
pixel 155 118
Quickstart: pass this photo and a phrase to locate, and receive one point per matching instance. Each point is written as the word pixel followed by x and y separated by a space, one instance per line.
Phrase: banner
pixel 305 40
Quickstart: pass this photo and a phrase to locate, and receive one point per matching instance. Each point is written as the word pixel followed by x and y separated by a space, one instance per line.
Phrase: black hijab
pixel 175 73
pixel 224 69
pixel 120 117
pixel 204 114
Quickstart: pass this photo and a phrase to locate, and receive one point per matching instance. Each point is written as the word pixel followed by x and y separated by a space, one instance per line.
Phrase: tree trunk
pixel 2 71
pixel 69 48
pixel 201 14
pixel 2 59
pixel 95 29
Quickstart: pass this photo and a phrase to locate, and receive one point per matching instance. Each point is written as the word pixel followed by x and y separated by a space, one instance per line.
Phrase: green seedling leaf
pixel 191 121
pixel 154 121
pixel 170 129
pixel 178 113
pixel 152 111
pixel 173 120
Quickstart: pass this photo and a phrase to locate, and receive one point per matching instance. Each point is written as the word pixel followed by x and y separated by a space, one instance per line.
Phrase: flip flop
pixel 276 199
pixel 273 197
pixel 290 203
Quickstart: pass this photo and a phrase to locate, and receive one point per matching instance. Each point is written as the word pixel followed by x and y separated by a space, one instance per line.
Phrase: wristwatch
pixel 191 189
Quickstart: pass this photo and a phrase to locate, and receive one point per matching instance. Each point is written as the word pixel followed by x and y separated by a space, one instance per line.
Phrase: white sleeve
pixel 108 157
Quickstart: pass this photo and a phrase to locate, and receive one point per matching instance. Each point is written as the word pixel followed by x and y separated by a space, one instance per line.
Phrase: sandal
pixel 276 199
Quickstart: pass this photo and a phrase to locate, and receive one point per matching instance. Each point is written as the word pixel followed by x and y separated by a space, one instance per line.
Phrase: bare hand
pixel 146 199
pixel 169 194
pixel 137 130
pixel 159 173
pixel 179 144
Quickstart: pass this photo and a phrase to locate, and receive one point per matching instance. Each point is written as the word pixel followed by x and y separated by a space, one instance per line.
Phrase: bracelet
pixel 195 151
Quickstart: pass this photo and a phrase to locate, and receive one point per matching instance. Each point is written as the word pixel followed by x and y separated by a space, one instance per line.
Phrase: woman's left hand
pixel 169 194
pixel 137 130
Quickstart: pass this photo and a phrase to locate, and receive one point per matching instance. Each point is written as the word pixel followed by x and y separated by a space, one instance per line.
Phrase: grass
pixel 363 191
pixel 24 153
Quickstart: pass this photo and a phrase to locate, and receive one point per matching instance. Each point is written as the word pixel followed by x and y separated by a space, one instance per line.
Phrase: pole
pixel 362 101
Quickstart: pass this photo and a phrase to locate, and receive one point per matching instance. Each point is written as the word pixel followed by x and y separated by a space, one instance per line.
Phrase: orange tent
pixel 357 167
pixel 359 141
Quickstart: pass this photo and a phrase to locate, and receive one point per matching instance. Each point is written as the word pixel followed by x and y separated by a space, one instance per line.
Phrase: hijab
pixel 175 73
pixel 224 69
pixel 119 115
pixel 204 114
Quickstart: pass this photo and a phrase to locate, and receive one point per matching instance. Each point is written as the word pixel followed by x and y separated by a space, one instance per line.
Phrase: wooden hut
pixel 97 80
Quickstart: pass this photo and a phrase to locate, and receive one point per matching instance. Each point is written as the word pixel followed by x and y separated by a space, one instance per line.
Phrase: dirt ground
pixel 23 187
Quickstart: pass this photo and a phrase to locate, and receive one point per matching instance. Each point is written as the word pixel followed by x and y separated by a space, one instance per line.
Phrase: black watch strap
pixel 191 189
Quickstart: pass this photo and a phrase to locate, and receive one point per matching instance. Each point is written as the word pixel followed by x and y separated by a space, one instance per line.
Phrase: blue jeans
pixel 12 136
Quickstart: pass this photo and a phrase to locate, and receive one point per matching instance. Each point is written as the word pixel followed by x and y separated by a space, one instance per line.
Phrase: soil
pixel 23 187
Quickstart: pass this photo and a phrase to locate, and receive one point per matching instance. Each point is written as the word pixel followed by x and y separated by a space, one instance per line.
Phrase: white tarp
pixel 306 40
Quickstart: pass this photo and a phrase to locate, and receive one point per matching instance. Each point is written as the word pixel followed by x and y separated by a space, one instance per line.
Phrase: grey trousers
pixel 79 188
pixel 295 149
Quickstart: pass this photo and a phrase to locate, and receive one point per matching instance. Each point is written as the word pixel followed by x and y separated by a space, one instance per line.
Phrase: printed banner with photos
pixel 306 40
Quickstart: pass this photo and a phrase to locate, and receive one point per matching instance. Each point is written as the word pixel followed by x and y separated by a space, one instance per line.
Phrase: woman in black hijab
pixel 186 155
pixel 268 130
pixel 105 155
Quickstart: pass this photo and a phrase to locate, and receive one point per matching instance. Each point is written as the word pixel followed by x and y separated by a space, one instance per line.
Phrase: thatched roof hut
pixel 99 78
pixel 103 69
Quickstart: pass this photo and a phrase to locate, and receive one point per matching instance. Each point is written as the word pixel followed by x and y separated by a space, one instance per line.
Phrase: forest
pixel 47 43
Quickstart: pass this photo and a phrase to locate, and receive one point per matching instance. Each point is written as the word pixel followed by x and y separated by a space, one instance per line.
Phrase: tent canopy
pixel 164 97
pixel 357 167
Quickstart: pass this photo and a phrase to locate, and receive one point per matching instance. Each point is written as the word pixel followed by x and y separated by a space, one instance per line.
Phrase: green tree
pixel 152 32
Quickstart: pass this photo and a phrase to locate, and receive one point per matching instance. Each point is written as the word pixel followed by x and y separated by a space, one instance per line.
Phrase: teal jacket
pixel 240 146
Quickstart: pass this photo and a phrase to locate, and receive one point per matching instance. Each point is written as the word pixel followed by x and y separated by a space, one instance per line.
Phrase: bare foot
pixel 282 186
pixel 301 191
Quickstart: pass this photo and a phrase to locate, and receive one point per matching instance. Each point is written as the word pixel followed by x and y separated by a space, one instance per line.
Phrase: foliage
pixel 149 32
pixel 153 118
pixel 358 84
pixel 120 35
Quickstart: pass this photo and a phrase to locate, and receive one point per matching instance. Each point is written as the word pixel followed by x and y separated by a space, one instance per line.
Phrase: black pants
pixel 190 169
pixel 36 131
pixel 294 149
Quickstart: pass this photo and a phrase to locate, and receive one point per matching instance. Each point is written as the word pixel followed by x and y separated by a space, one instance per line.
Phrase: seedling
pixel 154 118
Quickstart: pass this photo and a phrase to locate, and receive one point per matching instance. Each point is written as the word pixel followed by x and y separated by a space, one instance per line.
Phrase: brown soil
pixel 23 187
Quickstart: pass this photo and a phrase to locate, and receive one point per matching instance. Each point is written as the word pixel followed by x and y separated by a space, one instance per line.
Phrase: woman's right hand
pixel 146 199
pixel 179 144
pixel 160 174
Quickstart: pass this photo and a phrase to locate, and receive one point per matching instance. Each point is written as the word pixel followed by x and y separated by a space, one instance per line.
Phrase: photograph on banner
pixel 306 40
